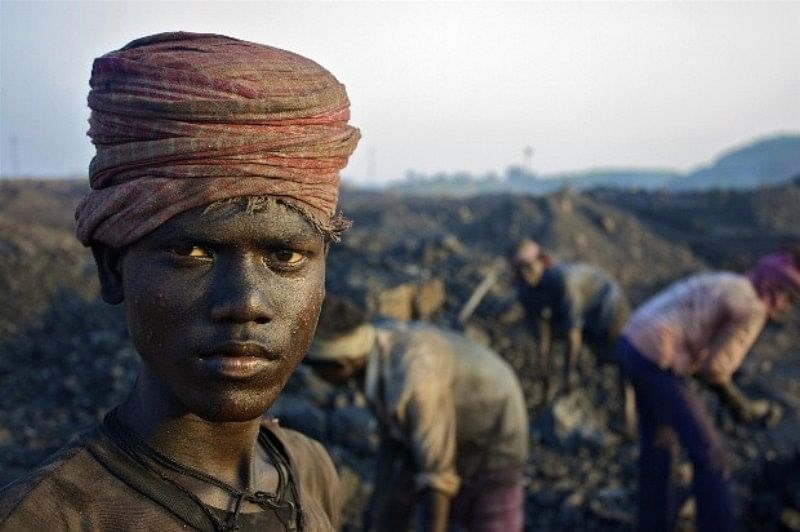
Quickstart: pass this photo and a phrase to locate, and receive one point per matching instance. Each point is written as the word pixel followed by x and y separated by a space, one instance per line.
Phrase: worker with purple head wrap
pixel 212 204
pixel 700 326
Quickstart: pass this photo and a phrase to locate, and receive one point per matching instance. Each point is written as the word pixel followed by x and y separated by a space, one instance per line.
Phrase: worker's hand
pixel 775 414
pixel 435 510
pixel 760 411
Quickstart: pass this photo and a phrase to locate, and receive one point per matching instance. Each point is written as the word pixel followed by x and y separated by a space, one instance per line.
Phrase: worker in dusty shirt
pixel 454 425
pixel 703 325
pixel 212 203
pixel 574 301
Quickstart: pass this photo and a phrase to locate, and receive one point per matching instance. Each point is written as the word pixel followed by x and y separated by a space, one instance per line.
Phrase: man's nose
pixel 240 294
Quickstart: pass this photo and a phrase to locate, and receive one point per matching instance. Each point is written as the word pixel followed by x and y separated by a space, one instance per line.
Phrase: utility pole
pixel 527 154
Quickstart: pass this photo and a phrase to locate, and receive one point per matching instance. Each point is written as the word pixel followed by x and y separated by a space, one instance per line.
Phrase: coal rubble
pixel 65 357
pixel 775 500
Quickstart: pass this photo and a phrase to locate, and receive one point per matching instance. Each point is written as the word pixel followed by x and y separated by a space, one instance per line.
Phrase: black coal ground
pixel 65 357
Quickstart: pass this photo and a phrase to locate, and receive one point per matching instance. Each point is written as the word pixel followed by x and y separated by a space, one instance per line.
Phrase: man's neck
pixel 227 451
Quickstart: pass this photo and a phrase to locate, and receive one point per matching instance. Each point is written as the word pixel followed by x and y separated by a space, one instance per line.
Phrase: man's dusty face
pixel 222 306
pixel 339 371
pixel 531 272
pixel 782 305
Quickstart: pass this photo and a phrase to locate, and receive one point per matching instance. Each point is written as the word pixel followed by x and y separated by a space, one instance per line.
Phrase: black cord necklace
pixel 285 510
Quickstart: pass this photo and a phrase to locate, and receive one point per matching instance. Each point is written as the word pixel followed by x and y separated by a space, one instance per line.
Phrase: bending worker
pixel 703 325
pixel 452 416
pixel 212 205
pixel 575 301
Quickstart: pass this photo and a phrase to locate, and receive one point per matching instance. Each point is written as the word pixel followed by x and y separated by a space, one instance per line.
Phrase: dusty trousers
pixel 669 410
pixel 489 501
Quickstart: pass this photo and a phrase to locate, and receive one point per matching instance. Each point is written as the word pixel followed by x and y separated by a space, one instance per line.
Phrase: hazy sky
pixel 448 86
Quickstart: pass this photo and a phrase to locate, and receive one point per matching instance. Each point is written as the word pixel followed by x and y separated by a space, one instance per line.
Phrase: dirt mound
pixel 727 229
pixel 65 358
pixel 39 254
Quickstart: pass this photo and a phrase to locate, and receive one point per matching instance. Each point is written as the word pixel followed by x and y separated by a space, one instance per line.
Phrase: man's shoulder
pixel 317 480
pixel 62 483
pixel 555 274
pixel 409 339
pixel 420 349
pixel 584 273
pixel 306 454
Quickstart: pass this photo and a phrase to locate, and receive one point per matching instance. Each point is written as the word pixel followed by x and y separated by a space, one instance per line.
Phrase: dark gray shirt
pixel 574 295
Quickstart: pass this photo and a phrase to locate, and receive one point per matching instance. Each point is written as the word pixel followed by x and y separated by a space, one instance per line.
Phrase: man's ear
pixel 109 270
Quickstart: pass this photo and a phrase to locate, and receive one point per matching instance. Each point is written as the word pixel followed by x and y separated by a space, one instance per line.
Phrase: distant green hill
pixel 765 162
pixel 624 178
pixel 518 182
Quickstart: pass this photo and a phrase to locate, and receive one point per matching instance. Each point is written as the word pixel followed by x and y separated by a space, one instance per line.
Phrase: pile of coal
pixel 65 357
pixel 775 500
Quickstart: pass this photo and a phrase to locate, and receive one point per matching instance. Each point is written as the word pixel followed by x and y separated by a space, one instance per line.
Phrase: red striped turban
pixel 181 120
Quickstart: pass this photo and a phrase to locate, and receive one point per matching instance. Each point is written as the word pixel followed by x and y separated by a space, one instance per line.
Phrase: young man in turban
pixel 213 200
pixel 454 427
pixel 703 325
pixel 574 301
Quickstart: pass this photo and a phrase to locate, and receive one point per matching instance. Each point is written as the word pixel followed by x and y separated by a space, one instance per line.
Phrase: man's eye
pixel 196 252
pixel 288 257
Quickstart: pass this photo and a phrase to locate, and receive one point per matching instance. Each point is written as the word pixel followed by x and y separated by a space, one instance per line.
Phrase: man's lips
pixel 239 360
pixel 241 349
